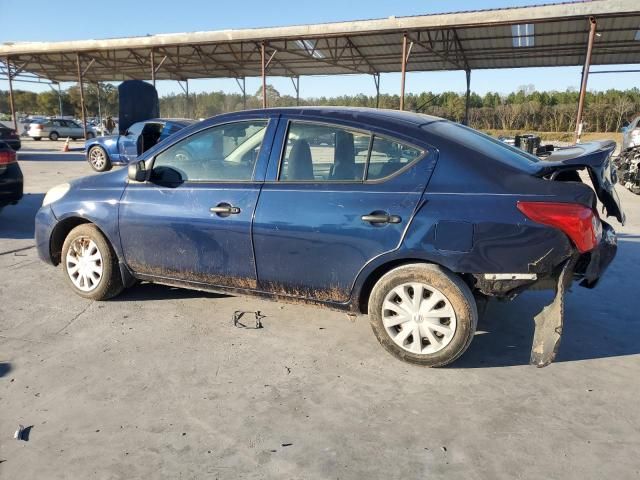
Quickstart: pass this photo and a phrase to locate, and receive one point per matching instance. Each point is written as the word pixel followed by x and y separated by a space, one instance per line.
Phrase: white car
pixel 58 128
pixel 631 134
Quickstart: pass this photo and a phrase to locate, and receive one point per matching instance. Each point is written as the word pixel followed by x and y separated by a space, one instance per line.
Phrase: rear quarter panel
pixel 109 144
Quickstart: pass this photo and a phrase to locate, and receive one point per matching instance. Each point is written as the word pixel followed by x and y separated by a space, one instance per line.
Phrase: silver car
pixel 58 128
pixel 631 134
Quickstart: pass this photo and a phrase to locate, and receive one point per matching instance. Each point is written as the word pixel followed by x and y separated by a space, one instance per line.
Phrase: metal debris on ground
pixel 238 314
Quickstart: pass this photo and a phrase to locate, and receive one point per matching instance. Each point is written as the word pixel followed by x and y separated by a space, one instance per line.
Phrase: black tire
pixel 110 283
pixel 54 136
pixel 90 135
pixel 456 292
pixel 93 156
pixel 37 139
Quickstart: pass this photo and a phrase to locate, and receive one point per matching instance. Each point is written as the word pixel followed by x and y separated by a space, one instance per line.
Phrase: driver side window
pixel 223 153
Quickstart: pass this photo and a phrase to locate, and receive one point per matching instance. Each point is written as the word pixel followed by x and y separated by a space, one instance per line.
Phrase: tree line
pixel 525 109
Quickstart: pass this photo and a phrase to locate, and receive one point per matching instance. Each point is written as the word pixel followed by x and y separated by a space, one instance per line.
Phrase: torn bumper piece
pixel 548 323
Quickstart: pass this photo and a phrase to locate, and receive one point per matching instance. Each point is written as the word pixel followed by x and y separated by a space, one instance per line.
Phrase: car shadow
pixel 598 323
pixel 153 291
pixel 50 156
pixel 17 221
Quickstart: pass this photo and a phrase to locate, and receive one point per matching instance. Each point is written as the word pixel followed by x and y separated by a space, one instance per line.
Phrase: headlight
pixel 56 193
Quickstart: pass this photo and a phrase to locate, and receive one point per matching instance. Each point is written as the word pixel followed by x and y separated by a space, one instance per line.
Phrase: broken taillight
pixel 7 157
pixel 581 224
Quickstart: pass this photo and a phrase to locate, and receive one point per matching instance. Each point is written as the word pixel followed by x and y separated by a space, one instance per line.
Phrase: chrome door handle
pixel 381 218
pixel 224 209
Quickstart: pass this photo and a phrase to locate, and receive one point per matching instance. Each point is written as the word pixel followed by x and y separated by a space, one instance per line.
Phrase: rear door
pixel 330 205
pixel 192 221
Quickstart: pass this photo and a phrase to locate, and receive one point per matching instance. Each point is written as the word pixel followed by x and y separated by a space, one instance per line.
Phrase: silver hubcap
pixel 418 318
pixel 97 158
pixel 84 264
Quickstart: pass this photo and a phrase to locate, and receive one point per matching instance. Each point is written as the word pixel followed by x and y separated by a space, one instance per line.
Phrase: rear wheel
pixel 54 136
pixel 422 314
pixel 90 265
pixel 37 139
pixel 90 135
pixel 98 159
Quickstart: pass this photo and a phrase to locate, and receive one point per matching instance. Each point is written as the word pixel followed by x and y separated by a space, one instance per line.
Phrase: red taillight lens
pixel 7 157
pixel 581 224
pixel 38 127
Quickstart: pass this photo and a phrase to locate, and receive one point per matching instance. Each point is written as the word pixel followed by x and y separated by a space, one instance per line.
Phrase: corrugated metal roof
pixel 479 39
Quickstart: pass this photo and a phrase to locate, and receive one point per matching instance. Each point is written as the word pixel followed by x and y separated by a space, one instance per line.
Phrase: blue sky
pixel 40 20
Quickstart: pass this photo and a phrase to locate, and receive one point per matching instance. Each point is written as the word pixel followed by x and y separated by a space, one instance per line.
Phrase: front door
pixel 192 220
pixel 128 143
pixel 339 198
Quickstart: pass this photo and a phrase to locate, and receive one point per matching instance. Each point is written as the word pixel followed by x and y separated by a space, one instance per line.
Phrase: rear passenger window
pixel 388 156
pixel 324 153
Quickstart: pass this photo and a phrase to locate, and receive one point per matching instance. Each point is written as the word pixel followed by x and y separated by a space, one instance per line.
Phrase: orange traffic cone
pixel 66 145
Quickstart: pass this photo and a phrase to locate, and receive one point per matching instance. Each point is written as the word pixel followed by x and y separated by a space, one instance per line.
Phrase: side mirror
pixel 137 171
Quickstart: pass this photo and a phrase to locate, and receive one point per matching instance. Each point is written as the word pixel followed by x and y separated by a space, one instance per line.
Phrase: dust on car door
pixel 192 221
pixel 330 205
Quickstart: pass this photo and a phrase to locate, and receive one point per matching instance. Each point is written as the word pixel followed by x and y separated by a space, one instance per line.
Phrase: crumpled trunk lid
pixel 596 158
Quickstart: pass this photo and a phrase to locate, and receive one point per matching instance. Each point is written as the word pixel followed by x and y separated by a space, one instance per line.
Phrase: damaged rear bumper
pixel 588 267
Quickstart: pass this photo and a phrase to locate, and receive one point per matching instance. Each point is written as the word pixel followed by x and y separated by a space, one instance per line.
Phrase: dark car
pixel 11 181
pixel 416 231
pixel 10 137
pixel 104 152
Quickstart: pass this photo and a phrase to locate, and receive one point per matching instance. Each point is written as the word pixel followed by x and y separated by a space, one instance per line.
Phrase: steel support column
pixel 84 117
pixel 585 77
pixel 264 78
pixel 186 91
pixel 296 86
pixel 403 70
pixel 11 98
pixel 243 88
pixel 467 97
pixel 59 96
pixel 376 80
pixel 153 67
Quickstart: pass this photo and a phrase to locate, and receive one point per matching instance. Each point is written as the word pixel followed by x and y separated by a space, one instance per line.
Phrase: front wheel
pixel 422 314
pixel 98 159
pixel 90 265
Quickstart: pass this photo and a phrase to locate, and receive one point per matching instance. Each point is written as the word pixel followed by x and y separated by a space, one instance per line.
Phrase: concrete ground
pixel 158 383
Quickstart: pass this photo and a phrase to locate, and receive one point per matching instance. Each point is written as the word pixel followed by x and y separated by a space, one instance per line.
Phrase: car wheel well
pixel 372 279
pixel 60 233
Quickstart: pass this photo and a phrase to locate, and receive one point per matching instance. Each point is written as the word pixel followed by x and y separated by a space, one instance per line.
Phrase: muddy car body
pixel 415 230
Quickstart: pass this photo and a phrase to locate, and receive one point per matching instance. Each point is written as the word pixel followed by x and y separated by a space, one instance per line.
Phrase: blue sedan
pixel 104 152
pixel 411 219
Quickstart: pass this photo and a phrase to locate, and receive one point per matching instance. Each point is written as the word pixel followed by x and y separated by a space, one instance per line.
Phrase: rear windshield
pixel 483 144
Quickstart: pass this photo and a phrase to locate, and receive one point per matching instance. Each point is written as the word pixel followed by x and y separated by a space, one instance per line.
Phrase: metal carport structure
pixel 600 32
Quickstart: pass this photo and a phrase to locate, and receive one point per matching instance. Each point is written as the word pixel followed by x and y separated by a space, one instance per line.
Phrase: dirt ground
pixel 158 383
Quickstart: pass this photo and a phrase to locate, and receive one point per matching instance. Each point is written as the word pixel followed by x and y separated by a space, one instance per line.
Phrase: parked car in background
pixel 432 219
pixel 58 128
pixel 104 152
pixel 10 137
pixel 631 134
pixel 11 181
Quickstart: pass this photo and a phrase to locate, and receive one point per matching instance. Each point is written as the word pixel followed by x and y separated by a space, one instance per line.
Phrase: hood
pixel 596 158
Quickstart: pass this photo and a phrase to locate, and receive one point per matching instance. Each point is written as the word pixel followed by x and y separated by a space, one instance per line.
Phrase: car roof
pixel 362 113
